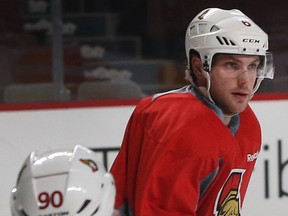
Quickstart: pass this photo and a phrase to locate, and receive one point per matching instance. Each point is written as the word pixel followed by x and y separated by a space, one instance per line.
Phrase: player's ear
pixel 197 68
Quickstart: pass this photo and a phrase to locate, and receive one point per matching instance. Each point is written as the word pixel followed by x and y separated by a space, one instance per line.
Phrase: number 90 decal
pixel 55 199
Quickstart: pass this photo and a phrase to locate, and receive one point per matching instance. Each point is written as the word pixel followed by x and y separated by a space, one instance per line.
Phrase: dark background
pixel 138 35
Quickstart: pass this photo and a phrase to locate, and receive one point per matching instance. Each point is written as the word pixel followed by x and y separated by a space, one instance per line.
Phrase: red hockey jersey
pixel 178 158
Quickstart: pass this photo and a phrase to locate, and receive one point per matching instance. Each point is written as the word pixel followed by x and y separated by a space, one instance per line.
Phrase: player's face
pixel 232 81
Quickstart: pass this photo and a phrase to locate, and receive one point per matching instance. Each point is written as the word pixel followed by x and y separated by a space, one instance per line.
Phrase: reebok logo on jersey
pixel 252 157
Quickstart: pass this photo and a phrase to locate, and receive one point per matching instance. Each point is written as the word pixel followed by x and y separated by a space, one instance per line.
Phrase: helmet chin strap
pixel 206 93
pixel 257 84
pixel 206 90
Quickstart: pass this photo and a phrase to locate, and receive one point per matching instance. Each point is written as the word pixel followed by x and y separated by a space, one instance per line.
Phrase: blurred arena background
pixel 64 50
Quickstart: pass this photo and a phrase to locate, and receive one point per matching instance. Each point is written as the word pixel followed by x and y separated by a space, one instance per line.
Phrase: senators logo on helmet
pixel 90 163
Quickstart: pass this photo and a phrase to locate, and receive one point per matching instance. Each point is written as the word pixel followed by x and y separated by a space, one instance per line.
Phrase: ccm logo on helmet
pixel 250 40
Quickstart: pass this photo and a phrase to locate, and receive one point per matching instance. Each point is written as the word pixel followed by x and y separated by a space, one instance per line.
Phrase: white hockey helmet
pixel 216 30
pixel 63 183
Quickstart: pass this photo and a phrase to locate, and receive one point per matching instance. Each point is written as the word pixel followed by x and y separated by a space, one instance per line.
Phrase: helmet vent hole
pixel 202 27
pixel 84 205
pixel 24 213
pixel 220 40
pixel 214 28
pixel 225 41
pixel 96 210
pixel 192 30
pixel 232 43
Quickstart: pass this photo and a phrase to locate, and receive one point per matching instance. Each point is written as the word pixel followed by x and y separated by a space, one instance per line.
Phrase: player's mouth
pixel 242 95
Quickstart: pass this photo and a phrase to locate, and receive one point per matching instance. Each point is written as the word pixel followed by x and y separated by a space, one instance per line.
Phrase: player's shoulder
pixel 168 97
pixel 171 101
pixel 176 93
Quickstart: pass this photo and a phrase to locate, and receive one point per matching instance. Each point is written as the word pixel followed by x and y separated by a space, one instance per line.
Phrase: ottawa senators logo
pixel 90 163
pixel 228 201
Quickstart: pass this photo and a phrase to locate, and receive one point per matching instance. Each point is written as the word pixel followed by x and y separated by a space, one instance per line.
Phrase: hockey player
pixel 186 152
pixel 63 183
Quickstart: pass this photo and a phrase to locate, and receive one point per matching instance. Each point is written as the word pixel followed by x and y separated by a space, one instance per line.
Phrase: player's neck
pixel 227 119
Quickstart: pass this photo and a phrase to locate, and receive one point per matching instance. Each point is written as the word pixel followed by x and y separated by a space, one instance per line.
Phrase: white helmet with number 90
pixel 71 183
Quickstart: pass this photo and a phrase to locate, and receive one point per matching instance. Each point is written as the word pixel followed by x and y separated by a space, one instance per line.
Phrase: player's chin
pixel 236 107
pixel 240 107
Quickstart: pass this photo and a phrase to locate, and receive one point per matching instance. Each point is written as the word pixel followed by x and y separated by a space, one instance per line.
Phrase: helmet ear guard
pixel 215 30
pixel 63 182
